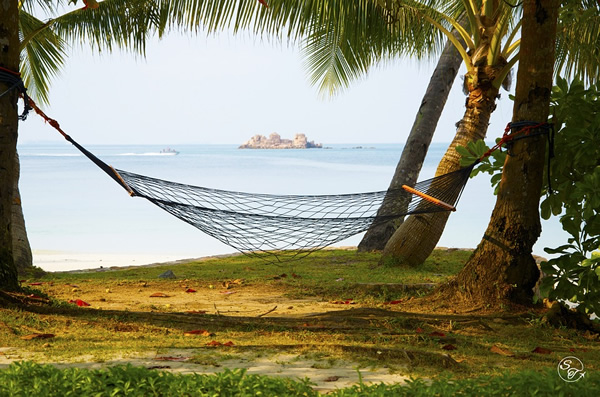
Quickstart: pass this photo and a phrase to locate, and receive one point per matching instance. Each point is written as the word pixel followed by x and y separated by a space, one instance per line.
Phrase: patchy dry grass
pixel 331 309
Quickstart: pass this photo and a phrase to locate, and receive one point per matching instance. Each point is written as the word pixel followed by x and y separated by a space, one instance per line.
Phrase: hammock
pixel 279 228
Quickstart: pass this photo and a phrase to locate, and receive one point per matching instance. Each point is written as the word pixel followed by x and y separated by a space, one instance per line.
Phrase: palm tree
pixel 9 60
pixel 502 268
pixel 488 59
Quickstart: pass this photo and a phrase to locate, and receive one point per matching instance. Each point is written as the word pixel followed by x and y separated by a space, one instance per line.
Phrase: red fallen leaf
pixel 393 302
pixel 214 343
pixel 196 311
pixel 202 332
pixel 296 276
pixel 264 3
pixel 230 343
pixel 541 350
pixel 171 358
pixel 190 290
pixel 35 283
pixel 449 347
pixel 437 333
pixel 419 330
pixel 37 336
pixel 159 295
pixel 34 296
pixel 283 275
pixel 79 302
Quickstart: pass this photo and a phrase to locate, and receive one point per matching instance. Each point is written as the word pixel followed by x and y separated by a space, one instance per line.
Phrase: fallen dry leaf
pixel 37 336
pixel 214 343
pixel 502 351
pixel 35 283
pixel 195 332
pixel 190 290
pixel 419 330
pixel 449 347
pixel 159 295
pixel 230 343
pixel 541 350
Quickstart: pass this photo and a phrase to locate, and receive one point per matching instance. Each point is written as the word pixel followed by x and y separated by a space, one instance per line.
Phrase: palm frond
pixel 42 58
pixel 577 51
pixel 125 24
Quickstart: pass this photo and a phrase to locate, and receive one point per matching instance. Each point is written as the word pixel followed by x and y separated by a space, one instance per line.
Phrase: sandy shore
pixel 65 261
pixel 57 261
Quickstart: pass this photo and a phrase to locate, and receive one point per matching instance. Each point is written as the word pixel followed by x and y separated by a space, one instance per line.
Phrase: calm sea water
pixel 71 205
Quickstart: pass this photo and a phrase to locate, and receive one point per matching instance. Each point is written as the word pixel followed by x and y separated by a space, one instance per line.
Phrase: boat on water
pixel 169 151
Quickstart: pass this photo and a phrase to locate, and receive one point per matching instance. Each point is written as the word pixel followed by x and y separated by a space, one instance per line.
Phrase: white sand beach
pixel 54 261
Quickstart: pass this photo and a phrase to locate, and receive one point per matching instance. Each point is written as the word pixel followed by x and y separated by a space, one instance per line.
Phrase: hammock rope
pixel 280 228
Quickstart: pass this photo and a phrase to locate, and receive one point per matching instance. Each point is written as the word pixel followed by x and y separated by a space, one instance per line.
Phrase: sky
pixel 223 89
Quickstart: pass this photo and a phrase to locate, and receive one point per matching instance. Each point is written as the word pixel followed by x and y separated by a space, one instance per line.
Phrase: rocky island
pixel 274 141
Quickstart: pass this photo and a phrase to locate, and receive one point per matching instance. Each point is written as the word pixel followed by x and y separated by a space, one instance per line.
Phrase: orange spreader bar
pixel 429 198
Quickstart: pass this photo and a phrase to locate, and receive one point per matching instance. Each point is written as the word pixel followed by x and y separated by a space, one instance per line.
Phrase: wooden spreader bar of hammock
pixel 427 197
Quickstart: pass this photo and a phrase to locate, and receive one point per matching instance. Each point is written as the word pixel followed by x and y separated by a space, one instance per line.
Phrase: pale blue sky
pixel 224 89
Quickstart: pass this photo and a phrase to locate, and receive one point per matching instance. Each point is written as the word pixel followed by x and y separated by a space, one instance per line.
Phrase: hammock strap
pixel 101 164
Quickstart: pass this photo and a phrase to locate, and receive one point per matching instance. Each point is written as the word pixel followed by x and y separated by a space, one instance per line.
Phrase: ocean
pixel 73 210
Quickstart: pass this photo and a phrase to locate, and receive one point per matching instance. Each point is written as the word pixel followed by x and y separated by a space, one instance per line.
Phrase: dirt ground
pixel 230 299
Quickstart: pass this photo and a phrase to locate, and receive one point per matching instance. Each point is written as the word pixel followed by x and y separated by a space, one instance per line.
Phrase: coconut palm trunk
pixel 416 238
pixel 21 249
pixel 9 59
pixel 502 266
pixel 416 146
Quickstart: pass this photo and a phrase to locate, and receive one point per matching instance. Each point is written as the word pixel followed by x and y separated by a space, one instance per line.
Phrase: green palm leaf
pixel 577 52
pixel 43 57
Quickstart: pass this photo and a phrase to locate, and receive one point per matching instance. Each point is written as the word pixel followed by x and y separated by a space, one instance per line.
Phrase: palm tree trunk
pixel 416 238
pixel 415 149
pixel 9 59
pixel 21 249
pixel 502 267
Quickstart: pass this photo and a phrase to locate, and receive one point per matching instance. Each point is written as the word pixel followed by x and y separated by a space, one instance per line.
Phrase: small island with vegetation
pixel 274 141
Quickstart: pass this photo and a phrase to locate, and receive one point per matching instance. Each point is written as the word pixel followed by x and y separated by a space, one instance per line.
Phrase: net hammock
pixel 277 228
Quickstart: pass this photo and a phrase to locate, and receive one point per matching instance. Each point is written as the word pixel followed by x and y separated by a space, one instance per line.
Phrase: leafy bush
pixel 575 175
pixel 575 181
pixel 31 379
pixel 524 383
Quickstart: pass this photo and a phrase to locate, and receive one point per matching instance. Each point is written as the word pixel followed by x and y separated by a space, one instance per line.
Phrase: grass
pixel 30 379
pixel 370 333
